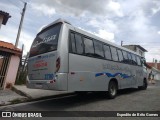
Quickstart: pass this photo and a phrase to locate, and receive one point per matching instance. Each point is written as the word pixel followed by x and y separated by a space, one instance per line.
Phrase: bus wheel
pixel 144 86
pixel 112 89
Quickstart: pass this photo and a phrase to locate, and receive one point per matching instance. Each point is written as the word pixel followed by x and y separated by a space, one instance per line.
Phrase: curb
pixel 21 93
pixel 53 96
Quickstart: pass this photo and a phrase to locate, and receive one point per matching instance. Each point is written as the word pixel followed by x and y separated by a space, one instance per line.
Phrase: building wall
pixel 1 19
pixel 157 76
pixel 130 47
pixel 139 51
pixel 12 71
pixel 155 72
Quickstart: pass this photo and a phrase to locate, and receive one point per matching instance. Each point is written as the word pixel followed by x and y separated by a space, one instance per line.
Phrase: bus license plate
pixel 38 86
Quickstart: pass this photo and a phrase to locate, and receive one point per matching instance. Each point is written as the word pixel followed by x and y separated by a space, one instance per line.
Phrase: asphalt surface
pixel 127 100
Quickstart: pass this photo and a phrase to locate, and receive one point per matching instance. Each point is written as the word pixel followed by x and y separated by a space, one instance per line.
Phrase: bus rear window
pixel 45 41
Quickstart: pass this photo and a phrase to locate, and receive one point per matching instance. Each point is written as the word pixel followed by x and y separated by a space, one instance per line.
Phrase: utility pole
pixel 121 43
pixel 20 25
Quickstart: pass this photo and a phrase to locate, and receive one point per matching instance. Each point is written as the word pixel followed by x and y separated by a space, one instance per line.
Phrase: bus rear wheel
pixel 144 86
pixel 112 89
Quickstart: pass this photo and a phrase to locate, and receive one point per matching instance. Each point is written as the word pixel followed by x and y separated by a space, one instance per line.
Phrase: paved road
pixel 127 100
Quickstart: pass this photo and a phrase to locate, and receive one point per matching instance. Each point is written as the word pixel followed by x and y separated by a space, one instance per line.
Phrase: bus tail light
pixel 52 81
pixel 57 64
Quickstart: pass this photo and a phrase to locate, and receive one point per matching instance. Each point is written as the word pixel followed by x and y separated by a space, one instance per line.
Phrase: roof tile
pixel 153 65
pixel 8 46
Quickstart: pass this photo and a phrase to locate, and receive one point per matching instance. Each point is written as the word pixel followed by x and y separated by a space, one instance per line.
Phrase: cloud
pixel 115 7
pixel 153 53
pixel 106 35
pixel 104 23
pixel 78 7
pixel 134 22
pixel 8 33
pixel 102 34
pixel 130 21
pixel 44 9
pixel 27 40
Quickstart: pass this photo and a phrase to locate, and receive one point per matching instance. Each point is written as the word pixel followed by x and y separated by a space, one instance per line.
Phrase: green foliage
pixel 22 78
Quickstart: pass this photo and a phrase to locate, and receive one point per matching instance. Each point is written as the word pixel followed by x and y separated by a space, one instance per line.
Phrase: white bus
pixel 66 58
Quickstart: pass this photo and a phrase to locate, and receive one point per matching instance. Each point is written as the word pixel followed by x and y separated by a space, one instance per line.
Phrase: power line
pixel 13 3
pixel 22 1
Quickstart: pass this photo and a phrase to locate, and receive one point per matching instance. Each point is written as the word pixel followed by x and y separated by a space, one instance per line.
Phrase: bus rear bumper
pixel 58 83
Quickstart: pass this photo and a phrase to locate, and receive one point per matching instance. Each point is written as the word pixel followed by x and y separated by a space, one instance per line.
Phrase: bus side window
pixel 114 53
pixel 134 59
pixel 138 61
pixel 72 43
pixel 79 44
pixel 98 49
pixel 125 56
pixel 120 55
pixel 107 52
pixel 88 47
pixel 130 58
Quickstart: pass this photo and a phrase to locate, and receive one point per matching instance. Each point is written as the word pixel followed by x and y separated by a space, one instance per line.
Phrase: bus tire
pixel 112 89
pixel 144 86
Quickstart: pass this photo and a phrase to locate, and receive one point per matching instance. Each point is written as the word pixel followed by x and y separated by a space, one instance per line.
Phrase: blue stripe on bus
pixel 113 75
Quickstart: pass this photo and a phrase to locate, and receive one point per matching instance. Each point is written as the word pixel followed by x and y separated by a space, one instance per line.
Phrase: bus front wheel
pixel 112 89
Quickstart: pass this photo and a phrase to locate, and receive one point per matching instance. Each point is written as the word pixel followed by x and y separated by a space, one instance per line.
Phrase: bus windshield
pixel 45 41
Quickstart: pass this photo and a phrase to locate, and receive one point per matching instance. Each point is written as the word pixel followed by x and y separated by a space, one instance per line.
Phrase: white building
pixel 136 48
pixel 155 68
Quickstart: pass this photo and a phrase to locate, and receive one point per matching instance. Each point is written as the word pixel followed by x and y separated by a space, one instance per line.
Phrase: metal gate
pixel 4 61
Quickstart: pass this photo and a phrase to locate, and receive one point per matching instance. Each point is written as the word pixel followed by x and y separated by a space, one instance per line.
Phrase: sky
pixel 135 22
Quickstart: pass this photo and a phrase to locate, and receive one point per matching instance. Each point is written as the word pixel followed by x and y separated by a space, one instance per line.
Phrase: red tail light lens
pixel 57 64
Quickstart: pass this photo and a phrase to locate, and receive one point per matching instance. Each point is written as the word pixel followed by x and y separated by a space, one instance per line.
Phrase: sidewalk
pixel 154 83
pixel 20 93
pixel 36 93
pixel 9 97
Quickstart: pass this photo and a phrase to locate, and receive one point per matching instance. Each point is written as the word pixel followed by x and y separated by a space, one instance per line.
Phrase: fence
pixel 4 61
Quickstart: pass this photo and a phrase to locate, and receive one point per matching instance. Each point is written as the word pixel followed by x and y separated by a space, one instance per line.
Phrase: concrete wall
pixel 12 71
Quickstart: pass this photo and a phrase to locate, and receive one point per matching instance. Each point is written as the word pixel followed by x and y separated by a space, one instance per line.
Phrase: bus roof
pixel 55 22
